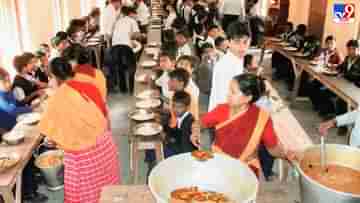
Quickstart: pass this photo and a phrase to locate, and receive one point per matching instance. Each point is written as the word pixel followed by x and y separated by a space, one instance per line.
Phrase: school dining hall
pixel 179 101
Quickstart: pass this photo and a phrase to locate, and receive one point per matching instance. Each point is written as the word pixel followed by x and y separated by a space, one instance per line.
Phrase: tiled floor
pixel 287 192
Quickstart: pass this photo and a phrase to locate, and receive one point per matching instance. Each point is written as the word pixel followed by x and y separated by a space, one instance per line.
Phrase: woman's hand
pixel 195 139
pixel 325 126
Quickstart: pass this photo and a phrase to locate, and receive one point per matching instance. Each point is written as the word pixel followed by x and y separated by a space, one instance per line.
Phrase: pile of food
pixel 202 155
pixel 8 161
pixel 336 177
pixel 194 195
pixel 49 161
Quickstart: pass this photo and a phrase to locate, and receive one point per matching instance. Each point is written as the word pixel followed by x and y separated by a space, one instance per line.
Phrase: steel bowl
pixel 314 192
pixel 221 174
pixel 141 129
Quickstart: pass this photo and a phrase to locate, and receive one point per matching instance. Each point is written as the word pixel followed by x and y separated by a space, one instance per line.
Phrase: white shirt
pixel 143 14
pixel 163 82
pixel 224 71
pixel 195 88
pixel 107 19
pixel 233 7
pixel 184 50
pixel 211 41
pixel 125 27
pixel 349 119
pixel 169 20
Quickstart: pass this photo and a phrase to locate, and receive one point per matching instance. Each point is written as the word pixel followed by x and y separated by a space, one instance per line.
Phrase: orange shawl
pixel 87 73
pixel 73 120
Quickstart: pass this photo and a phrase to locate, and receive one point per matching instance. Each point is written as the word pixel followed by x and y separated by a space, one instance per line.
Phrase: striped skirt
pixel 86 172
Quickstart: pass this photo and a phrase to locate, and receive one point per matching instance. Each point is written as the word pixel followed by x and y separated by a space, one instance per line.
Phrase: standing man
pixel 232 10
pixel 231 64
pixel 126 28
pixel 108 18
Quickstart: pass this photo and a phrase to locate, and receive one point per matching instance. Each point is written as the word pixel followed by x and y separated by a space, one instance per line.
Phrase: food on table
pixel 147 94
pixel 202 155
pixel 194 195
pixel 148 129
pixel 8 161
pixel 148 63
pixel 142 115
pixel 49 161
pixel 336 177
pixel 148 103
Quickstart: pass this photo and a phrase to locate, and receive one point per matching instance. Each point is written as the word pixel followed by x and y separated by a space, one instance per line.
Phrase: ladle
pixel 323 154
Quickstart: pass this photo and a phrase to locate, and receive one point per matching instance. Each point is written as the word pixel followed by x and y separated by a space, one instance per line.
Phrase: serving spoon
pixel 323 154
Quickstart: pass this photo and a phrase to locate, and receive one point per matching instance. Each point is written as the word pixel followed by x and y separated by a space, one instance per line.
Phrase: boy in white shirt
pixel 184 43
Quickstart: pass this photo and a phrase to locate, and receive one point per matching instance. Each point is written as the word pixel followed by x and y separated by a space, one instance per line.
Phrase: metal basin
pixel 313 192
pixel 221 174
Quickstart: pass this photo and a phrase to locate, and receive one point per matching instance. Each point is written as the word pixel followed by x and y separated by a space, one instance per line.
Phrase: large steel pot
pixel 221 174
pixel 313 192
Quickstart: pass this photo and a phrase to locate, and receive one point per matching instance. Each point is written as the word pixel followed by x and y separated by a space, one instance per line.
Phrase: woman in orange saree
pixel 79 57
pixel 240 126
pixel 76 120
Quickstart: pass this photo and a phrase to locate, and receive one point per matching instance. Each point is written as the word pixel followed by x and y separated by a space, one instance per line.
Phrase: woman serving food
pixel 241 126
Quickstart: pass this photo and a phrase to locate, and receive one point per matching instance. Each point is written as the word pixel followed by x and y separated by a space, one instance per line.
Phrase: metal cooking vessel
pixel 221 174
pixel 313 192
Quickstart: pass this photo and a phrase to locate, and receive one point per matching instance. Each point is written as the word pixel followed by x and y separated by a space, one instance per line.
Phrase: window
pixel 9 34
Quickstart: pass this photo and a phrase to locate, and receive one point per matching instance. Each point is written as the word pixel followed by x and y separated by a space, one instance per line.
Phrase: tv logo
pixel 344 13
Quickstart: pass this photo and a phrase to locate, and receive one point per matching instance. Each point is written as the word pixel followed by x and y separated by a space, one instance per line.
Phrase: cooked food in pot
pixel 194 195
pixel 336 177
pixel 49 161
pixel 202 155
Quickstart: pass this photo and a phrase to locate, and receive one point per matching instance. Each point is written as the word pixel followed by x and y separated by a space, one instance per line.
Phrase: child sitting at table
pixel 179 127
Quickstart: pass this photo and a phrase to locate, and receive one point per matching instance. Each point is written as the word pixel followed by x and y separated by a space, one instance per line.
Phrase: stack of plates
pixel 148 104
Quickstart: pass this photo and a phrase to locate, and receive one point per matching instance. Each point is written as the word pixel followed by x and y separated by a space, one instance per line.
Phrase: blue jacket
pixel 9 110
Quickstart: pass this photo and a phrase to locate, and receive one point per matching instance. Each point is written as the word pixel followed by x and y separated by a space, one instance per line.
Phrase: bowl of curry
pixel 337 182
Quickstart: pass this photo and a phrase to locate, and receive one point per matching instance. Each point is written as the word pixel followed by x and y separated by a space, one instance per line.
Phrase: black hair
pixel 290 24
pixel 62 35
pixel 168 53
pixel 211 27
pixel 219 41
pixel 301 29
pixel 184 32
pixel 61 68
pixel 247 59
pixel 182 97
pixel 329 38
pixel 251 85
pixel 206 46
pixel 238 30
pixel 194 61
pixel 180 75
pixel 352 43
pixel 78 53
pixel 21 61
pixel 179 23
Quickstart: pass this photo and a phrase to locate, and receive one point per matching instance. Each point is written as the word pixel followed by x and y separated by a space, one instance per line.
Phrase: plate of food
pixel 147 129
pixel 141 115
pixel 153 44
pixel 329 72
pixel 148 94
pixel 148 63
pixel 14 137
pixel 202 155
pixel 148 103
pixel 274 39
pixel 285 44
pixel 8 160
pixel 315 62
pixel 299 54
pixel 29 118
pixel 290 48
pixel 196 195
pixel 152 50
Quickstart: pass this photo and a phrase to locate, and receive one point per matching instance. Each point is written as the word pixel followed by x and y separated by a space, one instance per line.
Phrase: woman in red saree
pixel 240 126
pixel 76 120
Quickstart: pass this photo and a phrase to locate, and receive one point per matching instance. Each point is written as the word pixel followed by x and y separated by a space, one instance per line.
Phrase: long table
pixel 13 176
pixel 340 86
